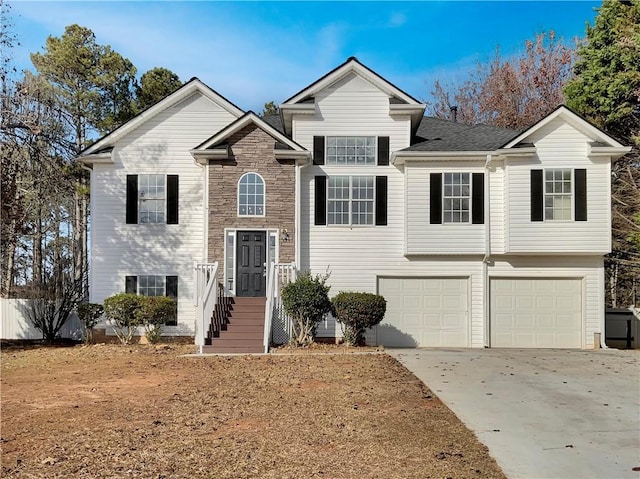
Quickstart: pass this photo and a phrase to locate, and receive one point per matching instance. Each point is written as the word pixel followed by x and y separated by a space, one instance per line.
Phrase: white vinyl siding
pixel 439 239
pixel 559 146
pixel 424 312
pixel 159 146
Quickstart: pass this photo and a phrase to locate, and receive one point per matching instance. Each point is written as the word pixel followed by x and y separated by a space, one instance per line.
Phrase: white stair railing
pixel 205 298
pixel 278 275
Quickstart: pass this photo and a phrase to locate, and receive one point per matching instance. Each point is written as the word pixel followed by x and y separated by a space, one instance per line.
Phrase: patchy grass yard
pixel 113 411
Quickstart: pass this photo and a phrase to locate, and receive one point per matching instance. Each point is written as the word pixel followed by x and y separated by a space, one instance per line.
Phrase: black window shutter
pixel 477 199
pixel 320 200
pixel 132 199
pixel 435 198
pixel 537 195
pixel 381 201
pixel 580 176
pixel 131 284
pixel 383 151
pixel 172 199
pixel 171 291
pixel 318 150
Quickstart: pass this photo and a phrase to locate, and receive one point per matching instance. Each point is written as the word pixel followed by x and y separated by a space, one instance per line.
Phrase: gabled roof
pixel 217 145
pixel 303 102
pixel 192 86
pixel 352 65
pixel 571 117
pixel 444 138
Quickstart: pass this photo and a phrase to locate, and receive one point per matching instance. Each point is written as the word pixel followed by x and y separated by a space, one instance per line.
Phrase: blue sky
pixel 254 52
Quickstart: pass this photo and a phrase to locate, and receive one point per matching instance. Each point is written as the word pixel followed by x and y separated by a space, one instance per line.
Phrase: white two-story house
pixel 476 236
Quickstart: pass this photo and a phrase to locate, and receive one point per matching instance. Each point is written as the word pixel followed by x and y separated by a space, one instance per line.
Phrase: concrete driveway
pixel 542 413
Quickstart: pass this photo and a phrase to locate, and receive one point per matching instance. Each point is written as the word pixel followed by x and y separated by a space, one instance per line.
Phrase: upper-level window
pixel 251 195
pixel 456 198
pixel 350 200
pixel 152 197
pixel 557 194
pixel 351 150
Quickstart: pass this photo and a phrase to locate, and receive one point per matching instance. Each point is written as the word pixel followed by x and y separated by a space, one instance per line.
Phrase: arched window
pixel 251 195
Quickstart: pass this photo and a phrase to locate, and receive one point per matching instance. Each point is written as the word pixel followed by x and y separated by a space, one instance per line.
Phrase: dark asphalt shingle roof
pixel 275 121
pixel 435 134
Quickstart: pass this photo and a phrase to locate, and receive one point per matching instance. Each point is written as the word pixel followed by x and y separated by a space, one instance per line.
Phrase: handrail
pixel 278 275
pixel 206 275
pixel 268 307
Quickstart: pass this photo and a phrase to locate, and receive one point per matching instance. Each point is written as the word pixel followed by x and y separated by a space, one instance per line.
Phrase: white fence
pixel 15 324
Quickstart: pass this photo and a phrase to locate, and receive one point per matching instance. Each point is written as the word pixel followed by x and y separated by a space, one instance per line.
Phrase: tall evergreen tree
pixel 606 90
pixel 156 84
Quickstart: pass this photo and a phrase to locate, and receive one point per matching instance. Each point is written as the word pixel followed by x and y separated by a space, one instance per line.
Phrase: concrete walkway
pixel 542 413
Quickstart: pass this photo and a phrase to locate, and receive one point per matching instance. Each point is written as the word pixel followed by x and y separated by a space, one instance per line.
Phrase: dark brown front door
pixel 251 257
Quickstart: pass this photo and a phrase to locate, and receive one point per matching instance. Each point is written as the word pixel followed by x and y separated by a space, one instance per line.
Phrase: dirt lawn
pixel 114 411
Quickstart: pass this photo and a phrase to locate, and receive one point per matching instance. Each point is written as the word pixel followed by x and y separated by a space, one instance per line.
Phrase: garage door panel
pixel 429 312
pixel 536 312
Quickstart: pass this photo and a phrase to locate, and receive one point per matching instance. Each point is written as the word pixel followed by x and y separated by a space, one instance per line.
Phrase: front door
pixel 251 258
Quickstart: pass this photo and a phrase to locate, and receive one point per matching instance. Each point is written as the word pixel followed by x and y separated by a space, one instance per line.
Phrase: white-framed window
pixel 351 150
pixel 350 200
pixel 456 198
pixel 151 198
pixel 558 197
pixel 251 195
pixel 151 285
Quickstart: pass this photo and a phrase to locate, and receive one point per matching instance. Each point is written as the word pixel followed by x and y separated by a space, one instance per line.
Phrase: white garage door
pixel 424 312
pixel 536 313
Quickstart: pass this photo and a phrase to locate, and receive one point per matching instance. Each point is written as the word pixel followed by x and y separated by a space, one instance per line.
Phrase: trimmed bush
pixel 153 313
pixel 357 312
pixel 89 315
pixel 121 313
pixel 306 300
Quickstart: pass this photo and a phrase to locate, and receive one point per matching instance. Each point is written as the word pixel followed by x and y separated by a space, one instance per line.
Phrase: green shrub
pixel 121 313
pixel 153 313
pixel 356 312
pixel 89 315
pixel 306 300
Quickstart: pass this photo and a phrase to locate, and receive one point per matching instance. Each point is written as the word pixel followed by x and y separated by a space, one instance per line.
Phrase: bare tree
pixel 510 92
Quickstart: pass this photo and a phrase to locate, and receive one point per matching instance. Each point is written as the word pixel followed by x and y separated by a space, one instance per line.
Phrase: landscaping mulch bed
pixel 143 411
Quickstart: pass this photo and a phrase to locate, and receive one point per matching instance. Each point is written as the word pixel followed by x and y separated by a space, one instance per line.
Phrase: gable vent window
pixel 152 199
pixel 251 195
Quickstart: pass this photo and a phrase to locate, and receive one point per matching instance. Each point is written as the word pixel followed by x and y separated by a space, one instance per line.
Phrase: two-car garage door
pixel 536 312
pixel 524 312
pixel 423 312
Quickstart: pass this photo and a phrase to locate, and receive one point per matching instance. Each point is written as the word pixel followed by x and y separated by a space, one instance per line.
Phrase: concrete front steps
pixel 244 332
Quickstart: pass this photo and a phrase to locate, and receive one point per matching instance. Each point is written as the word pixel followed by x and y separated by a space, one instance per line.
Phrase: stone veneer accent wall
pixel 251 150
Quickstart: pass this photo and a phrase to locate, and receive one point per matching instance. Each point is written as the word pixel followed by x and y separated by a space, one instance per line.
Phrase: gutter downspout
pixel 487 253
pixel 89 238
